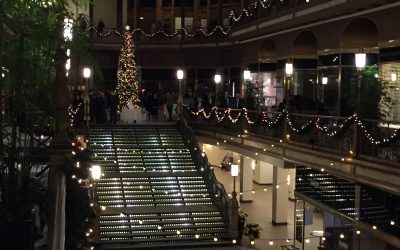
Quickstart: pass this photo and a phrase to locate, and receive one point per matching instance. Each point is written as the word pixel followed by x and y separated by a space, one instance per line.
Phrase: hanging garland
pixel 177 32
pixel 303 129
pixel 331 130
pixel 251 8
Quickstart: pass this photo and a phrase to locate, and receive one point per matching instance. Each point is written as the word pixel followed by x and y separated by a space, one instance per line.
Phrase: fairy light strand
pixel 331 129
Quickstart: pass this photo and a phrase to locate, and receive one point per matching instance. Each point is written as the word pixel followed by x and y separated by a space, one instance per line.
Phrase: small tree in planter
pixel 242 221
pixel 252 95
pixel 253 231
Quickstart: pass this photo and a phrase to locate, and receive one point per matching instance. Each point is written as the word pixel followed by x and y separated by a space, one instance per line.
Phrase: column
pixel 124 13
pixel 135 13
pixel 246 179
pixel 279 196
pixel 172 15
pixel 357 206
pixel 196 14
pixel 220 8
pixel 159 11
pixel 263 173
pixel 208 9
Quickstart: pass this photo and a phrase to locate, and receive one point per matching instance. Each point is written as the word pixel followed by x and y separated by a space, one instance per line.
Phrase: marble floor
pixel 260 211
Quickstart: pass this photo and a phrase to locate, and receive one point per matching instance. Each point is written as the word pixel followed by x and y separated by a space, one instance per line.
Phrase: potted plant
pixel 242 221
pixel 252 230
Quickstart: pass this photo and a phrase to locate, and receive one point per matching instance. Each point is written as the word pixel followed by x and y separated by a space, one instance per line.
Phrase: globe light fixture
pixel 217 78
pixel 289 68
pixel 324 80
pixel 234 173
pixel 86 73
pixel 246 75
pixel 96 172
pixel 361 59
pixel 179 74
pixel 234 170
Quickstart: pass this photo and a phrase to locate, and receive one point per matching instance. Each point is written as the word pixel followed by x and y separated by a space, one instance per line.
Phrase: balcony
pixel 364 151
pixel 275 16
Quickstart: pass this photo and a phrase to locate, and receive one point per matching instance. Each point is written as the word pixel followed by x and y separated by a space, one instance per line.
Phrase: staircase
pixel 156 191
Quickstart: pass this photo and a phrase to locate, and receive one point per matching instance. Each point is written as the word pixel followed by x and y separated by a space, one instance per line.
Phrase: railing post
pixel 234 216
pixel 356 138
pixel 357 210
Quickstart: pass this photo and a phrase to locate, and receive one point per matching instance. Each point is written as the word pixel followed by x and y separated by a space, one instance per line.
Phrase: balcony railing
pixel 348 136
pixel 169 36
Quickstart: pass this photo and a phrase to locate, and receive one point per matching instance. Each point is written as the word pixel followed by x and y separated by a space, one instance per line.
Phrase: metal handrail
pixel 346 135
pixel 218 192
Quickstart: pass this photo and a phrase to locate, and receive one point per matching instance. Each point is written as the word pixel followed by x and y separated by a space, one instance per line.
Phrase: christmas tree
pixel 128 87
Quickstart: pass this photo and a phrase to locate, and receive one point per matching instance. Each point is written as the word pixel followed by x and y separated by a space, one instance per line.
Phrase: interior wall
pixel 214 154
pixel 105 10
pixel 263 172
pixel 76 10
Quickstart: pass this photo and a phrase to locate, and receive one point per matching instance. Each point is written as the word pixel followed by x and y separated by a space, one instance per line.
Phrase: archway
pixel 305 45
pixel 267 51
pixel 267 71
pixel 360 33
pixel 304 53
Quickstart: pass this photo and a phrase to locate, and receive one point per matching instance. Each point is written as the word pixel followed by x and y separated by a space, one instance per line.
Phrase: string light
pixel 177 32
pixel 334 129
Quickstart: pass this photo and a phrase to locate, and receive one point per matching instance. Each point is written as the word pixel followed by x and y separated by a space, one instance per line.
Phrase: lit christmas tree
pixel 128 87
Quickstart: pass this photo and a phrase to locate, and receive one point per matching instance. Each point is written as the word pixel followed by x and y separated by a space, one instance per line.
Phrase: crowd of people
pixel 103 107
pixel 155 105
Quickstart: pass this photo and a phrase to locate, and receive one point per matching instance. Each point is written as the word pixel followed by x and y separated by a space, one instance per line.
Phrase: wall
pixel 105 10
pixel 214 154
pixel 72 8
pixel 263 172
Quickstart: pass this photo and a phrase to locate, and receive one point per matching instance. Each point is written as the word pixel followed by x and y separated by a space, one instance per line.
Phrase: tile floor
pixel 260 211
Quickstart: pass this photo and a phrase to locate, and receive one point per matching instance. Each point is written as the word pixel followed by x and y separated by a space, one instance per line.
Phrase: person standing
pixel 114 101
pixel 170 104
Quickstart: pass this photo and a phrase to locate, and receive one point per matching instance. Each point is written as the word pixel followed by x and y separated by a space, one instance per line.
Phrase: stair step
pixel 162 209
pixel 151 180
pixel 167 227
pixel 195 216
pixel 155 232
pixel 171 244
pixel 191 220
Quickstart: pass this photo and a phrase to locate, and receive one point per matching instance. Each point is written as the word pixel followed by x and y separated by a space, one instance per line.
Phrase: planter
pixel 17 235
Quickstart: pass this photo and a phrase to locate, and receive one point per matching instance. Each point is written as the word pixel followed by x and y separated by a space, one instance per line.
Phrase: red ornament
pixel 77 143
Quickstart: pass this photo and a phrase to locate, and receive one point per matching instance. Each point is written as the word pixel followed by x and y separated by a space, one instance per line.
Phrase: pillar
pixel 208 12
pixel 135 13
pixel 220 11
pixel 172 15
pixel 246 179
pixel 357 206
pixel 124 13
pixel 196 14
pixel 159 11
pixel 279 196
pixel 59 149
pixel 263 173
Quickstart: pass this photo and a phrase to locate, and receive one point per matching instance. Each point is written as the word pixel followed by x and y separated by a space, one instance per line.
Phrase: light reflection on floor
pixel 260 211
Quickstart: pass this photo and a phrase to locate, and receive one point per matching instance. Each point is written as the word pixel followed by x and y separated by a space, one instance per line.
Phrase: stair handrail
pixel 218 192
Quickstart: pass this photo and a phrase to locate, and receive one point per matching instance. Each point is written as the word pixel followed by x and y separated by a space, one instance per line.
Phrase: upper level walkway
pixel 346 147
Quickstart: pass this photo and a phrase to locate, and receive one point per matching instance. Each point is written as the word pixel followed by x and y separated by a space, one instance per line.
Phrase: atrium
pixel 209 124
